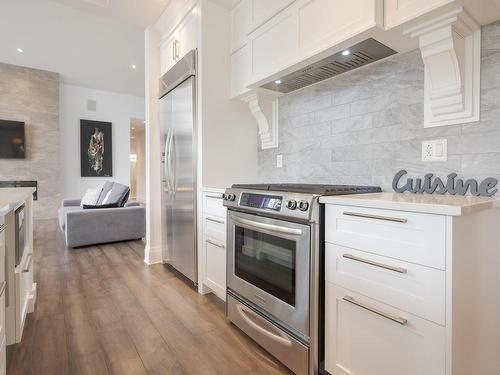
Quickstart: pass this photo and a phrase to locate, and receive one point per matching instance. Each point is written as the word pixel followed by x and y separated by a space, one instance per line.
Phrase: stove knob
pixel 291 204
pixel 224 196
pixel 231 197
pixel 303 205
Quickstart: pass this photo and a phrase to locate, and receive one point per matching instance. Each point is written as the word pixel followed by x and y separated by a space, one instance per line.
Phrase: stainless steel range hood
pixel 360 54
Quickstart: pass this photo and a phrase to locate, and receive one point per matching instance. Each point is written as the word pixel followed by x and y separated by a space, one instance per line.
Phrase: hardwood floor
pixel 100 310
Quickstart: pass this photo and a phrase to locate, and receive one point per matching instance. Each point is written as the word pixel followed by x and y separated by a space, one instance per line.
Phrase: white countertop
pixel 12 198
pixel 425 203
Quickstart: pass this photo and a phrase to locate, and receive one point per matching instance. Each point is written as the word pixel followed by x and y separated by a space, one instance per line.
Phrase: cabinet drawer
pixel 417 289
pixel 361 338
pixel 412 237
pixel 213 204
pixel 215 227
pixel 215 263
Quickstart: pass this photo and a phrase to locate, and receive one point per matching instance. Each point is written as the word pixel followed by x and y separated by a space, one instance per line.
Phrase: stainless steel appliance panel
pixel 269 265
pixel 178 131
pixel 284 347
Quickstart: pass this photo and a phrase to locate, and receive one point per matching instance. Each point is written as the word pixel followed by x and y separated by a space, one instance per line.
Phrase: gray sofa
pixel 82 227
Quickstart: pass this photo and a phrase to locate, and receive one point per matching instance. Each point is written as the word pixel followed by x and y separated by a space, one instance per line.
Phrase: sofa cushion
pixel 118 194
pixel 62 214
pixel 91 196
pixel 108 185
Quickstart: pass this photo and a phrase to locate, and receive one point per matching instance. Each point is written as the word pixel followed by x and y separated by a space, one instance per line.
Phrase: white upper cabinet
pixel 241 69
pixel 241 16
pixel 274 45
pixel 167 53
pixel 180 41
pixel 263 10
pixel 187 34
pixel 397 12
pixel 324 23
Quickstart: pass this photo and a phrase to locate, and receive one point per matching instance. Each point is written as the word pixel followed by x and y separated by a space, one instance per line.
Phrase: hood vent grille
pixel 363 53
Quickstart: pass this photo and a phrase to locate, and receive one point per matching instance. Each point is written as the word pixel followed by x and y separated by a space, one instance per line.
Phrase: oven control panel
pixel 262 201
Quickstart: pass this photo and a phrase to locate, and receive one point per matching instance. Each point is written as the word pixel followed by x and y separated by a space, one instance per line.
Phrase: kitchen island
pixel 16 264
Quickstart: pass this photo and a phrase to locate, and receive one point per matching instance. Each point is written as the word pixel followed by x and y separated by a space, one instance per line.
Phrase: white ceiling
pixel 140 13
pixel 89 45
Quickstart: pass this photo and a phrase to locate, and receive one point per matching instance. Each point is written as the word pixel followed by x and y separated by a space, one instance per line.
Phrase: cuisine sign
pixel 453 185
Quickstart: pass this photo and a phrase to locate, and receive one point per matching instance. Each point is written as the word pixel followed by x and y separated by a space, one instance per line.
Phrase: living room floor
pixel 101 310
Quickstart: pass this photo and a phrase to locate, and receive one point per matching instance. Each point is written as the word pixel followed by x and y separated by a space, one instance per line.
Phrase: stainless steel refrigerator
pixel 179 170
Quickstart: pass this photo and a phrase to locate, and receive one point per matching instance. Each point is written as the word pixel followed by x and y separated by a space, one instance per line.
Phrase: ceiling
pixel 141 13
pixel 90 43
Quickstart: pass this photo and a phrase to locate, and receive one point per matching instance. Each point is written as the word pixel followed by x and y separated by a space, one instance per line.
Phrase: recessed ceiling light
pixel 346 52
pixel 133 66
pixel 20 50
pixel 278 81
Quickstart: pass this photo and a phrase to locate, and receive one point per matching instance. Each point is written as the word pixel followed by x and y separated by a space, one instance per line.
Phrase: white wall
pixel 115 108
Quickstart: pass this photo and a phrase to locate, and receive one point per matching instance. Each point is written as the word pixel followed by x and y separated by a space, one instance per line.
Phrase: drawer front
pixel 215 266
pixel 410 287
pixel 362 339
pixel 215 227
pixel 412 237
pixel 212 204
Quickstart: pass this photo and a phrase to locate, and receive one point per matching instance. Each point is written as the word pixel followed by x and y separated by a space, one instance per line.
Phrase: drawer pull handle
pixel 376 217
pixel 215 220
pixel 2 288
pixel 213 196
pixel 215 244
pixel 376 264
pixel 395 319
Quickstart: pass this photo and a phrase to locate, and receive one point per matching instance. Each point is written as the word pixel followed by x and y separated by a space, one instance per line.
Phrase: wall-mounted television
pixel 12 140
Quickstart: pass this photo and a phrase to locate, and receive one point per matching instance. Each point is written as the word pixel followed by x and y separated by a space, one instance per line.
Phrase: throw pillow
pixel 117 194
pixel 105 190
pixel 91 196
pixel 95 206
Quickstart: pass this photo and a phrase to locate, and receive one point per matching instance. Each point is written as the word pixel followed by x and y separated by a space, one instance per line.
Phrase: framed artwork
pixel 96 149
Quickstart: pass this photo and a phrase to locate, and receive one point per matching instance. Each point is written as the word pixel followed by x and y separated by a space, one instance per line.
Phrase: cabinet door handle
pixel 215 244
pixel 27 269
pixel 376 217
pixel 395 319
pixel 2 288
pixel 173 50
pixel 375 264
pixel 215 220
pixel 176 49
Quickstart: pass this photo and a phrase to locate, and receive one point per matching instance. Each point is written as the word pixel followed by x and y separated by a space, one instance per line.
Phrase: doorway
pixel 137 160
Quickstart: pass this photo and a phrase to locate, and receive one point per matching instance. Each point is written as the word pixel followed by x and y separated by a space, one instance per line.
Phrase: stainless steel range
pixel 274 265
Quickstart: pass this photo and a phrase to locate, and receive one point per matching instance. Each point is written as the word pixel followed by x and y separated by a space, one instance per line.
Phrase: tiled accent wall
pixel 363 126
pixel 32 96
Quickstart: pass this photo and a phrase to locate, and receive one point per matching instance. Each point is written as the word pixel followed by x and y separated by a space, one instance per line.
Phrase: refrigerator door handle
pixel 173 168
pixel 170 172
pixel 167 160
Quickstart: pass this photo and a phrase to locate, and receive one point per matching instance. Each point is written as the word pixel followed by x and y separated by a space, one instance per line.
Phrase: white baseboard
pixel 152 255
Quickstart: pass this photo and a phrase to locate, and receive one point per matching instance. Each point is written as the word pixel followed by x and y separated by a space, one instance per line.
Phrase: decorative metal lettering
pixel 430 184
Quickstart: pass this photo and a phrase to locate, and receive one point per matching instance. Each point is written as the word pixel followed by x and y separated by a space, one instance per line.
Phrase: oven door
pixel 268 264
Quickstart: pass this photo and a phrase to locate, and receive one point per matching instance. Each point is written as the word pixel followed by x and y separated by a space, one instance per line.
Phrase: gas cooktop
pixel 318 189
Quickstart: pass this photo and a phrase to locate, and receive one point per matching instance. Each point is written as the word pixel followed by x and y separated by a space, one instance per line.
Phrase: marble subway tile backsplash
pixel 363 126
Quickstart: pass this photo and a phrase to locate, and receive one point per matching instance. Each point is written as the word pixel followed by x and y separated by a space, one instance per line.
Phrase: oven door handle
pixel 244 311
pixel 269 227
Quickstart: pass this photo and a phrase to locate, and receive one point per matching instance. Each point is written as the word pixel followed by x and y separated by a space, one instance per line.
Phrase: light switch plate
pixel 279 161
pixel 435 150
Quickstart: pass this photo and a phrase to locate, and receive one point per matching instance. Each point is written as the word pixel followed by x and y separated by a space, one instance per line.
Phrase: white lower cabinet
pixel 366 337
pixel 409 285
pixel 214 243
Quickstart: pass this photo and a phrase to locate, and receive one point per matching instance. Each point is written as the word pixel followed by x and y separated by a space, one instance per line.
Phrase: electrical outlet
pixel 434 150
pixel 279 161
